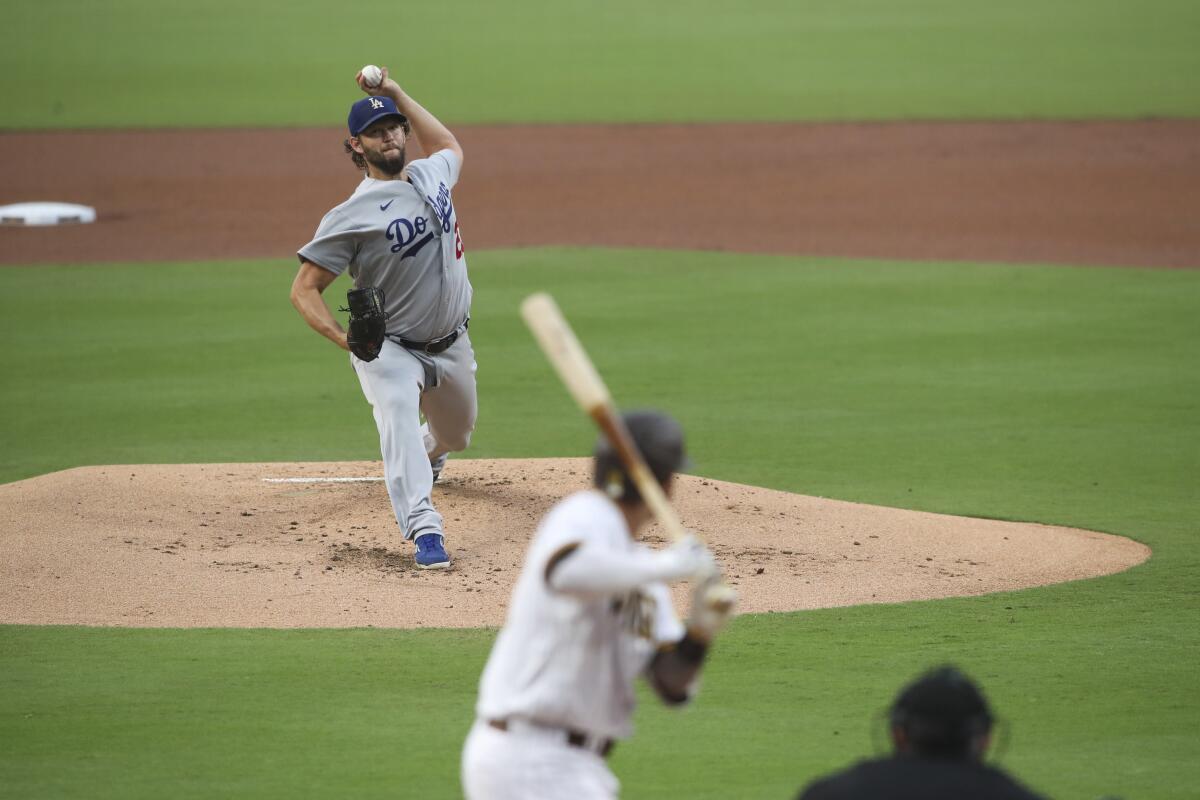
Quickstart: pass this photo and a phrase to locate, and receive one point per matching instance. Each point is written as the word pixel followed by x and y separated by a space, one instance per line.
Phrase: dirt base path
pixel 1119 193
pixel 218 545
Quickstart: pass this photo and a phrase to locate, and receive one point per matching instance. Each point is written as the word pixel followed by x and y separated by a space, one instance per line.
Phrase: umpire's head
pixel 942 714
pixel 658 437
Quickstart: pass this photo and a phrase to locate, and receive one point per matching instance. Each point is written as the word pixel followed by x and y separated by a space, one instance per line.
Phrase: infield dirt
pixel 207 545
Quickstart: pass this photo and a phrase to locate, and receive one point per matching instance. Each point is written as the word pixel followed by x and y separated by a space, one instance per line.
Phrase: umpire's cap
pixel 658 437
pixel 943 714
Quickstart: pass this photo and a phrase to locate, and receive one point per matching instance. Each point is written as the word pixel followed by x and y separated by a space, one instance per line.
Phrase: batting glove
pixel 712 605
pixel 686 558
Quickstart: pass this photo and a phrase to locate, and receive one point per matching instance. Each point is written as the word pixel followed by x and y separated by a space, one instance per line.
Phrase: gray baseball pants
pixel 400 385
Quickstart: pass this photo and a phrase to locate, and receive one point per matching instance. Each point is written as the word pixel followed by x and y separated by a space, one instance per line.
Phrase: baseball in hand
pixel 372 75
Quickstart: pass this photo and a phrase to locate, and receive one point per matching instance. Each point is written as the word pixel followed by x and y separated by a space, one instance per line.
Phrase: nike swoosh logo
pixel 384 207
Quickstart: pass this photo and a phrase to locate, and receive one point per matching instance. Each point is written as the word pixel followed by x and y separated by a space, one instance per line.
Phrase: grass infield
pixel 1060 395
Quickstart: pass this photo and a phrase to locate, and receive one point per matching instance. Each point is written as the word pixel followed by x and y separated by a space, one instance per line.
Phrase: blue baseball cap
pixel 370 109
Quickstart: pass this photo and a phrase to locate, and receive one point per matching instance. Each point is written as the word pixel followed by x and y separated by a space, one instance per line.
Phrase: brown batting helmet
pixel 659 438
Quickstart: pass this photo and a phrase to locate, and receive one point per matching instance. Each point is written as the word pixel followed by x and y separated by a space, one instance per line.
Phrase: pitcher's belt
pixel 437 345
pixel 599 746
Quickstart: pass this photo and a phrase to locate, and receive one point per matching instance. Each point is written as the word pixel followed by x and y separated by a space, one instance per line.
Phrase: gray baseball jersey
pixel 403 237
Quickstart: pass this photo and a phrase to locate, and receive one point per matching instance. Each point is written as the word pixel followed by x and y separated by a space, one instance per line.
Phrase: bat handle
pixel 647 485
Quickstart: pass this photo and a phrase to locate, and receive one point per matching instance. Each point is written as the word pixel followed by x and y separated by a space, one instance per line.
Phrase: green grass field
pixel 1053 394
pixel 78 63
pixel 1061 395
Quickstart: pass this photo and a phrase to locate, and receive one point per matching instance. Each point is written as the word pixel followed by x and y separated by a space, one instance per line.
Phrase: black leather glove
pixel 368 322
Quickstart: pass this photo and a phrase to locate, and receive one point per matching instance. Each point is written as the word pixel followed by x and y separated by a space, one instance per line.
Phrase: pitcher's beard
pixel 390 164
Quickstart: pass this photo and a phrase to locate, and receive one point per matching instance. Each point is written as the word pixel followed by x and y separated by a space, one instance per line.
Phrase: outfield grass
pixel 77 63
pixel 1062 395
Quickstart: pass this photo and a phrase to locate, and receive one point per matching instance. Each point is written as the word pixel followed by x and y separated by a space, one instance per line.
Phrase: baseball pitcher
pixel 590 613
pixel 398 237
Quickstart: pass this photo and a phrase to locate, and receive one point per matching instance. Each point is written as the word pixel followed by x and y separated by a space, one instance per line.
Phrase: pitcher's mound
pixel 220 545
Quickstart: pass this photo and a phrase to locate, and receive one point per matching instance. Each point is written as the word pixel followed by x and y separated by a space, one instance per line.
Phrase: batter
pixel 590 613
pixel 399 232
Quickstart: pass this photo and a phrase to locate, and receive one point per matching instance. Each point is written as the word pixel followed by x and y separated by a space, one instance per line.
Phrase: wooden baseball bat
pixel 577 371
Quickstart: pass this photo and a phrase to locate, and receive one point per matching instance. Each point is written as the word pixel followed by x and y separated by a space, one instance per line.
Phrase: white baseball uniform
pixel 559 682
pixel 402 236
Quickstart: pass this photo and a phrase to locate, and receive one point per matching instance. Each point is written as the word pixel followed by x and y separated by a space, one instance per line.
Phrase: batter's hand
pixel 386 86
pixel 712 605
pixel 686 558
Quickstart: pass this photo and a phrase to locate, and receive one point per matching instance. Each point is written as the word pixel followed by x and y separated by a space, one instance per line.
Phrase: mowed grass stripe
pixel 106 713
pixel 985 390
pixel 139 63
pixel 373 713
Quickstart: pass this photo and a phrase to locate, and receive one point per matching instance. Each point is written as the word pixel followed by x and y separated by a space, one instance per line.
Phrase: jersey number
pixel 458 245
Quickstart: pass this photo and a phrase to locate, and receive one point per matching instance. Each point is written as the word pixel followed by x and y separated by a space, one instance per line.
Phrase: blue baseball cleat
pixel 431 552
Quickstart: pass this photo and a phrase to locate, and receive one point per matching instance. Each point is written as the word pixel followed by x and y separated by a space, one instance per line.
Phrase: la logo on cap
pixel 376 102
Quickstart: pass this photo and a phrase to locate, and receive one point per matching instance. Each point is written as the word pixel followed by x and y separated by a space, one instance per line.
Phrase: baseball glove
pixel 368 322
